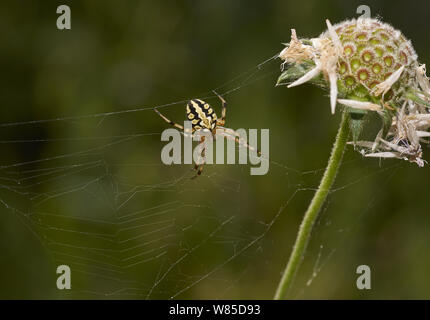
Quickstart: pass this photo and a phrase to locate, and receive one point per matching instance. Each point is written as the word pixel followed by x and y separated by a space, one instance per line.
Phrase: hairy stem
pixel 314 208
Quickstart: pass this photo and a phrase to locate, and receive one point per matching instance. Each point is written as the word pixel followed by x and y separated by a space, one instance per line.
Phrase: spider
pixel 203 117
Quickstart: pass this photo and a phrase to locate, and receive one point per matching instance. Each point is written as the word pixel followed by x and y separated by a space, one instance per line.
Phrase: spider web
pixel 136 228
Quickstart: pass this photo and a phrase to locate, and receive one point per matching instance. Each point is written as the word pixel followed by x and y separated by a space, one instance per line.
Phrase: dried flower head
pixel 368 66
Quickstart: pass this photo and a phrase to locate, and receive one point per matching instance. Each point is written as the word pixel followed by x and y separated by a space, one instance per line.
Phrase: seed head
pixel 370 67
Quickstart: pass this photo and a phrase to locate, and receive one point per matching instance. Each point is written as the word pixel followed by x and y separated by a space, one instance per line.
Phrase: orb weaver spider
pixel 203 117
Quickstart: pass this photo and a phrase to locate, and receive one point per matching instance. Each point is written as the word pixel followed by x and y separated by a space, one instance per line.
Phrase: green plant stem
pixel 314 208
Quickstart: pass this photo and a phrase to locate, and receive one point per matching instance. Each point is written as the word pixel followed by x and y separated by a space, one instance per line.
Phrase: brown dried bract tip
pixel 296 51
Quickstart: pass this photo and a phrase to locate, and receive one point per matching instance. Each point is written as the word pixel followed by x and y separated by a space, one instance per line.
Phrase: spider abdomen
pixel 201 115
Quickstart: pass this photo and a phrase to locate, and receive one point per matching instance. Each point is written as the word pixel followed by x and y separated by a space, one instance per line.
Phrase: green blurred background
pixel 91 192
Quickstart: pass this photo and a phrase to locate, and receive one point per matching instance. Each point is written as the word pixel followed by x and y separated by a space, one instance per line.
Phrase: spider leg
pixel 188 134
pixel 199 170
pixel 169 121
pixel 221 121
pixel 233 135
pixel 229 131
pixel 199 167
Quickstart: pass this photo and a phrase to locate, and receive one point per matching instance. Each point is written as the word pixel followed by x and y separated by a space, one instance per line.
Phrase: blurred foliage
pixel 122 55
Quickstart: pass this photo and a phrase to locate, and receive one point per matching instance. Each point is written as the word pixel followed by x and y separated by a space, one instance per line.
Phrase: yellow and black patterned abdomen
pixel 201 115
